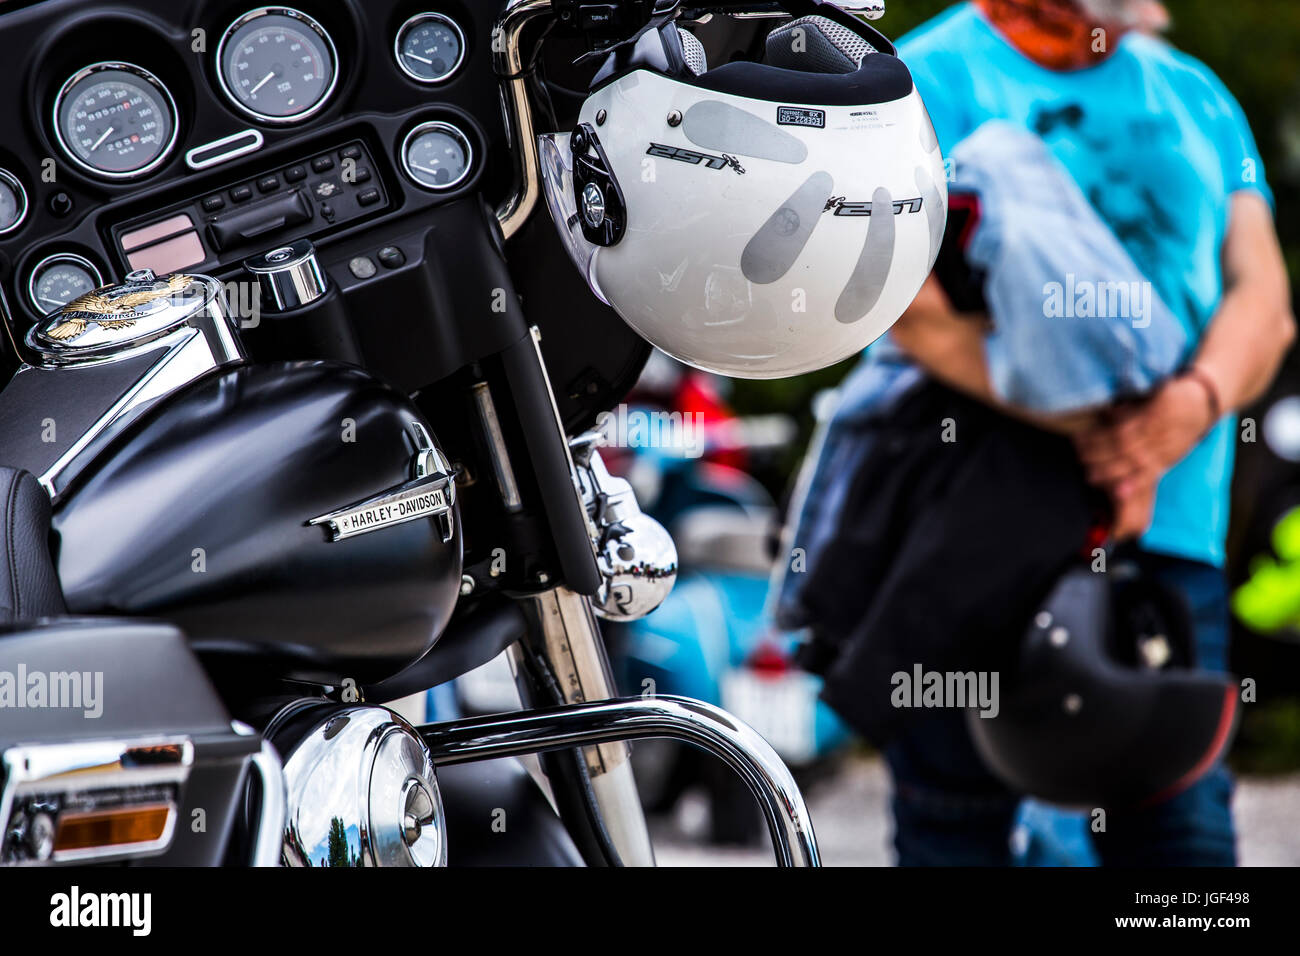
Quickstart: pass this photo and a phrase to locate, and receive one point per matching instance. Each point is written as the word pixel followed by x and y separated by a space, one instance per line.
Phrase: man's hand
pixel 1139 443
pixel 1133 512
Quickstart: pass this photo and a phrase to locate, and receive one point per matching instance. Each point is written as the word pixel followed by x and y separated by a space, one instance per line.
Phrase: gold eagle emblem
pixel 100 309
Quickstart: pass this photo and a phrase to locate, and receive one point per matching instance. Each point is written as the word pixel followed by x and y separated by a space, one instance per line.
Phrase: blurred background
pixel 720 476
pixel 1254 47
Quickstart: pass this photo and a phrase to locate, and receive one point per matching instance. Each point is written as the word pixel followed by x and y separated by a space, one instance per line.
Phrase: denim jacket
pixel 1075 323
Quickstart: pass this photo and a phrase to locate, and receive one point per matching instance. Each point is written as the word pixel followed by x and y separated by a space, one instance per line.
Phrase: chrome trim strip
pixel 308 22
pixel 584 725
pixel 192 351
pixel 268 843
pixel 253 146
pixel 142 73
pixel 16 185
pixel 502 469
pixel 415 21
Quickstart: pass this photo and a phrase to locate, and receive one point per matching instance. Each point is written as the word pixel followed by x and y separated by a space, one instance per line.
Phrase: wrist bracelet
pixel 1211 392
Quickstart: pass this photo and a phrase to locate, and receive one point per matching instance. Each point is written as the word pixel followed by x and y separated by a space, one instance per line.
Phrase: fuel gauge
pixel 60 278
pixel 13 202
pixel 437 156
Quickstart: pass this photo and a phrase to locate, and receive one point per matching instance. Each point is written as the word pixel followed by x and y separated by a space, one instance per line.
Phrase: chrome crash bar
pixel 679 718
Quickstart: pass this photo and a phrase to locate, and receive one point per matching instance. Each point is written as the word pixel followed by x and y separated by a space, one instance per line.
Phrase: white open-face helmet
pixel 759 219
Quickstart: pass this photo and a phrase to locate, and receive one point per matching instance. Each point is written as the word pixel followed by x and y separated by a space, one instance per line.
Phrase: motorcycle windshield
pixel 556 159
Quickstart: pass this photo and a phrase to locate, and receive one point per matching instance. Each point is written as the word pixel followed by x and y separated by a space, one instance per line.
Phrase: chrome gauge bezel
pixel 445 127
pixel 60 257
pixel 13 182
pixel 414 22
pixel 169 102
pixel 307 21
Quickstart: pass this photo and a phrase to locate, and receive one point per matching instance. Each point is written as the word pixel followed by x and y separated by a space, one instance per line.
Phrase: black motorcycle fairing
pixel 151 686
pixel 592 356
pixel 475 636
pixel 537 836
pixel 44 411
pixel 199 515
pixel 29 587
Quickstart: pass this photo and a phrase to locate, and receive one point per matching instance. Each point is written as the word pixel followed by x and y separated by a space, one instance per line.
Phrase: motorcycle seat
pixel 29 584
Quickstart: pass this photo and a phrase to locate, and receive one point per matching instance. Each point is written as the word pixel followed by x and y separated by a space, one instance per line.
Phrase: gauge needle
pixel 101 139
pixel 426 169
pixel 420 58
pixel 261 83
pixel 57 303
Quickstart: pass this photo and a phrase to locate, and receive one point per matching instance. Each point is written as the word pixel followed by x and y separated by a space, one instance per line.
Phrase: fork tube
pixel 568 637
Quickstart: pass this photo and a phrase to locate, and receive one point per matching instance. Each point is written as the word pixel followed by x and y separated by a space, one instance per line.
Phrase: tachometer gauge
pixel 277 64
pixel 13 202
pixel 429 47
pixel 60 278
pixel 437 156
pixel 115 119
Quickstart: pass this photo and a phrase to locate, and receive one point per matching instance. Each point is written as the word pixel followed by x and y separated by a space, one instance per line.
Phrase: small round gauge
pixel 60 278
pixel 277 64
pixel 13 202
pixel 437 156
pixel 116 120
pixel 429 47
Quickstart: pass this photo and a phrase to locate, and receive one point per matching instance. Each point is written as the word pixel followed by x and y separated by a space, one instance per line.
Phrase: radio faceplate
pixel 221 227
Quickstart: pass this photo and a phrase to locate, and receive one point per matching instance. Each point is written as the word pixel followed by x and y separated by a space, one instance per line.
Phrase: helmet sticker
pixel 869 275
pixel 800 116
pixel 714 125
pixel 777 244
pixel 724 161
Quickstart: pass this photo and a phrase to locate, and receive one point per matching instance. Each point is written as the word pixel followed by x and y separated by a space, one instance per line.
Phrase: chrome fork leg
pixel 604 722
pixel 568 637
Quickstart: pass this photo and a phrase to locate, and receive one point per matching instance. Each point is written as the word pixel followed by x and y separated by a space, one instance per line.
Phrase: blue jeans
pixel 950 811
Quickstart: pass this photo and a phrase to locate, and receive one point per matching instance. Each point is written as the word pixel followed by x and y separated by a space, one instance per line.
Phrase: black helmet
pixel 1105 706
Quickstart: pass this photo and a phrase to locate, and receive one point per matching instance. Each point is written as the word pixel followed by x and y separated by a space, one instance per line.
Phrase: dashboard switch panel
pixel 288 201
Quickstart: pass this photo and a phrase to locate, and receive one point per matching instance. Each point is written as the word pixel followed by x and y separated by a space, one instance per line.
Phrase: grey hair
pixel 1124 12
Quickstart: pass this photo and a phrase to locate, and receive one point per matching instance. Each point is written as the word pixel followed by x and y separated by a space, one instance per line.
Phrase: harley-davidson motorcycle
pixel 297 424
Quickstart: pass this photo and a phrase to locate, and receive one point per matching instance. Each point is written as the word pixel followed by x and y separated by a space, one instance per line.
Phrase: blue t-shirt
pixel 1158 146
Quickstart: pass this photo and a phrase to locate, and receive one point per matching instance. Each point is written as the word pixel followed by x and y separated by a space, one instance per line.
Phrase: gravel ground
pixel 851 813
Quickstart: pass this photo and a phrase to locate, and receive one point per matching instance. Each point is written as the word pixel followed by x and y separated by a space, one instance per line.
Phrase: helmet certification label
pixel 800 116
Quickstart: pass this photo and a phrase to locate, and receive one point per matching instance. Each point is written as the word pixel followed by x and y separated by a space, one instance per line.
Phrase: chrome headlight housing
pixel 362 790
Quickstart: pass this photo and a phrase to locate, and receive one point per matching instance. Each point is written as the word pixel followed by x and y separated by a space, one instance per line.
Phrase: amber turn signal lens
pixel 108 828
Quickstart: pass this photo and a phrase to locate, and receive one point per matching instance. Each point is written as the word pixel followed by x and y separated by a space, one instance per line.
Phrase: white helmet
pixel 733 217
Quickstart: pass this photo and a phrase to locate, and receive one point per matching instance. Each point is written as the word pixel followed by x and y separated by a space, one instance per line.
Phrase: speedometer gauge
pixel 116 120
pixel 277 64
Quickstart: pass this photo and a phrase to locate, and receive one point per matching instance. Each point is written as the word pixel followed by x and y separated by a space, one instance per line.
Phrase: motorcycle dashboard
pixel 192 134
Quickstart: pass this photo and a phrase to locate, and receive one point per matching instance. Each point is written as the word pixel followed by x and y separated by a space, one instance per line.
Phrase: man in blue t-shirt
pixel 1164 154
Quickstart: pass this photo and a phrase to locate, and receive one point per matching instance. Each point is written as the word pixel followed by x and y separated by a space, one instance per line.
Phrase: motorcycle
pixel 327 444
